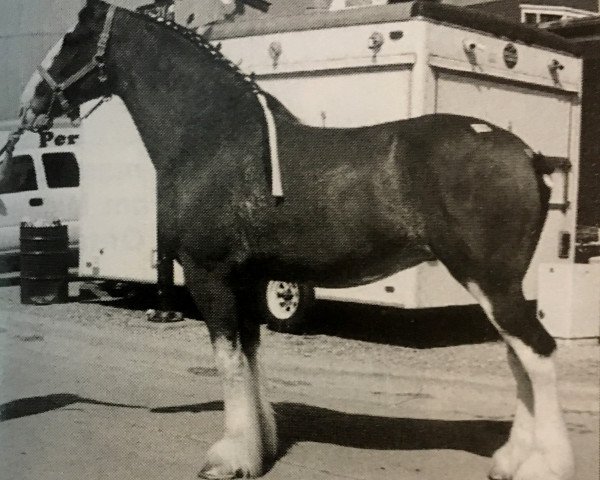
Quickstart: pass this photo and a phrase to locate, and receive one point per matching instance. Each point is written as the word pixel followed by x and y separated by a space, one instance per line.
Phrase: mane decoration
pixel 214 50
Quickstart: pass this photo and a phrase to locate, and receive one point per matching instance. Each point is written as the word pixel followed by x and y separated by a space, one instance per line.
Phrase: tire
pixel 286 305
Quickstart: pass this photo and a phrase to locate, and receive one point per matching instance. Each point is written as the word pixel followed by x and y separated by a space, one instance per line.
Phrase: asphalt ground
pixel 91 390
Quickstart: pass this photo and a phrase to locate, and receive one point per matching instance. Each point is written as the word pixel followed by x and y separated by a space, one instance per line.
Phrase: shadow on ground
pixel 26 407
pixel 139 297
pixel 426 328
pixel 307 423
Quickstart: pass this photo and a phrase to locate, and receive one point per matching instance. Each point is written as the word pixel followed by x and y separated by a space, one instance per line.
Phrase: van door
pixel 19 199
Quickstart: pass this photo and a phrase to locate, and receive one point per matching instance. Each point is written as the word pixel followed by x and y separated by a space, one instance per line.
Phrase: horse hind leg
pixel 538 446
pixel 250 439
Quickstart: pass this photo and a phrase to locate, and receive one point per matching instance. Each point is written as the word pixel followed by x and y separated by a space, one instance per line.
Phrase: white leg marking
pixel 552 457
pixel 484 301
pixel 538 447
pixel 515 451
pixel 242 448
pixel 267 416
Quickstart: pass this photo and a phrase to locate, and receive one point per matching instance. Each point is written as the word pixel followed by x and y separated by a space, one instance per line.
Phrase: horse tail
pixel 543 167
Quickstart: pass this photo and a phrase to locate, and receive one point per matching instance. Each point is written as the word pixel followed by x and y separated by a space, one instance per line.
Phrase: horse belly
pixel 367 270
pixel 344 247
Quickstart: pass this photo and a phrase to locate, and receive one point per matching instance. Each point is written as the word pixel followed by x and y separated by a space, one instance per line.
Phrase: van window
pixel 61 170
pixel 21 175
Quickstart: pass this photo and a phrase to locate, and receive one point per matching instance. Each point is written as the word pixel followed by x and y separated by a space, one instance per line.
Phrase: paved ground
pixel 91 391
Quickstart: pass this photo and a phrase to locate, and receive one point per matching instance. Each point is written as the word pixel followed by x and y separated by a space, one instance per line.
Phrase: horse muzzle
pixel 30 120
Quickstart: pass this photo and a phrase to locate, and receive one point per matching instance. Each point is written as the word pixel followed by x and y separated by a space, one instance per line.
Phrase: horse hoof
pixel 540 466
pixel 230 458
pixel 498 475
pixel 506 461
pixel 493 475
pixel 216 473
pixel 163 316
pixel 212 474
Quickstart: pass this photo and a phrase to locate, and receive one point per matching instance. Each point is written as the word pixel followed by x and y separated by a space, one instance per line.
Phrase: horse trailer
pixel 352 68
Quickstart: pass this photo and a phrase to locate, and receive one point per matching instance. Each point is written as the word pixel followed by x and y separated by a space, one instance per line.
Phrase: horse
pixel 359 204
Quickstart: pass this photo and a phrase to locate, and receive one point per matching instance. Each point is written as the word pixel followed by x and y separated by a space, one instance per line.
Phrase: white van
pixel 43 184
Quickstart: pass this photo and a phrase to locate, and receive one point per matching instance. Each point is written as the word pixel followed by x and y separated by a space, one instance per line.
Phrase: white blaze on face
pixel 29 92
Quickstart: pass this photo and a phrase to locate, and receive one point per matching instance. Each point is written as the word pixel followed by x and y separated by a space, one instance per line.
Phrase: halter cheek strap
pixel 97 62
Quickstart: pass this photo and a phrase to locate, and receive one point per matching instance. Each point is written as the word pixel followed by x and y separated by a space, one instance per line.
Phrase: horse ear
pixel 88 11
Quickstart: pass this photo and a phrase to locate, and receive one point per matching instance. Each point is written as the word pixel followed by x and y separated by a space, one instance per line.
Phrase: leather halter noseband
pixel 97 62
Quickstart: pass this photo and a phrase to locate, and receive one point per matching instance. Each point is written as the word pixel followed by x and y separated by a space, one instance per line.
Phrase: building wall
pixel 508 9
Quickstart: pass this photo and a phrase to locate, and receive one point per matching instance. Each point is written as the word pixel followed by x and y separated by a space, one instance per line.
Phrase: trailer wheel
pixel 286 305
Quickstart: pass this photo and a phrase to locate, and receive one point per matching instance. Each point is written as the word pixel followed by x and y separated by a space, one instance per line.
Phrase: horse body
pixel 368 202
pixel 359 204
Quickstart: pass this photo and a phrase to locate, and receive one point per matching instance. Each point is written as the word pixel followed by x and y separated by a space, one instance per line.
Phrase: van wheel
pixel 286 305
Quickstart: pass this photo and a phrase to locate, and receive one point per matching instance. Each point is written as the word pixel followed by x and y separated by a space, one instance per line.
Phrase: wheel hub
pixel 283 299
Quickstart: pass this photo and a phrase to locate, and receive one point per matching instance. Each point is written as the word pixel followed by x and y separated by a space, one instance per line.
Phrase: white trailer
pixel 351 68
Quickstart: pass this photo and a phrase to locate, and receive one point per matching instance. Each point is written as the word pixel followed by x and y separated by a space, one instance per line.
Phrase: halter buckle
pixel 102 76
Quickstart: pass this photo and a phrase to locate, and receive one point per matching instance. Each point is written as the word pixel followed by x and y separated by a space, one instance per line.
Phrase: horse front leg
pixel 250 439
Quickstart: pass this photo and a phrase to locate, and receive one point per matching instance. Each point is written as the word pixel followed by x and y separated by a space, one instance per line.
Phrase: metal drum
pixel 44 264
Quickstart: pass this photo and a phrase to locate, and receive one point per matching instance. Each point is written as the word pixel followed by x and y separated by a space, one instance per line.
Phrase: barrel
pixel 44 264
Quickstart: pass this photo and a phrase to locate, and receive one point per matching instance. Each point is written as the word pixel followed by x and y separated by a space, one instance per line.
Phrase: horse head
pixel 72 71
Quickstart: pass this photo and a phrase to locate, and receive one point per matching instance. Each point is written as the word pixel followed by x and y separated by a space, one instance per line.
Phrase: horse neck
pixel 174 91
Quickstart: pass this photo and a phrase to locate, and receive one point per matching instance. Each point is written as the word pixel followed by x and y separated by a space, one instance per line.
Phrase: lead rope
pixel 77 121
pixel 276 183
pixel 9 146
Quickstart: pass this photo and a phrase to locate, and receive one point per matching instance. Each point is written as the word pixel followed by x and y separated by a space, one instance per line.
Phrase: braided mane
pixel 200 41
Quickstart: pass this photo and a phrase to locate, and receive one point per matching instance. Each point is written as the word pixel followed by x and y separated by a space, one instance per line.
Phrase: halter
pixel 97 62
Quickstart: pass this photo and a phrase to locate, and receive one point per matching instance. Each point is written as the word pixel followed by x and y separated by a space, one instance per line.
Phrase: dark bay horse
pixel 359 204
